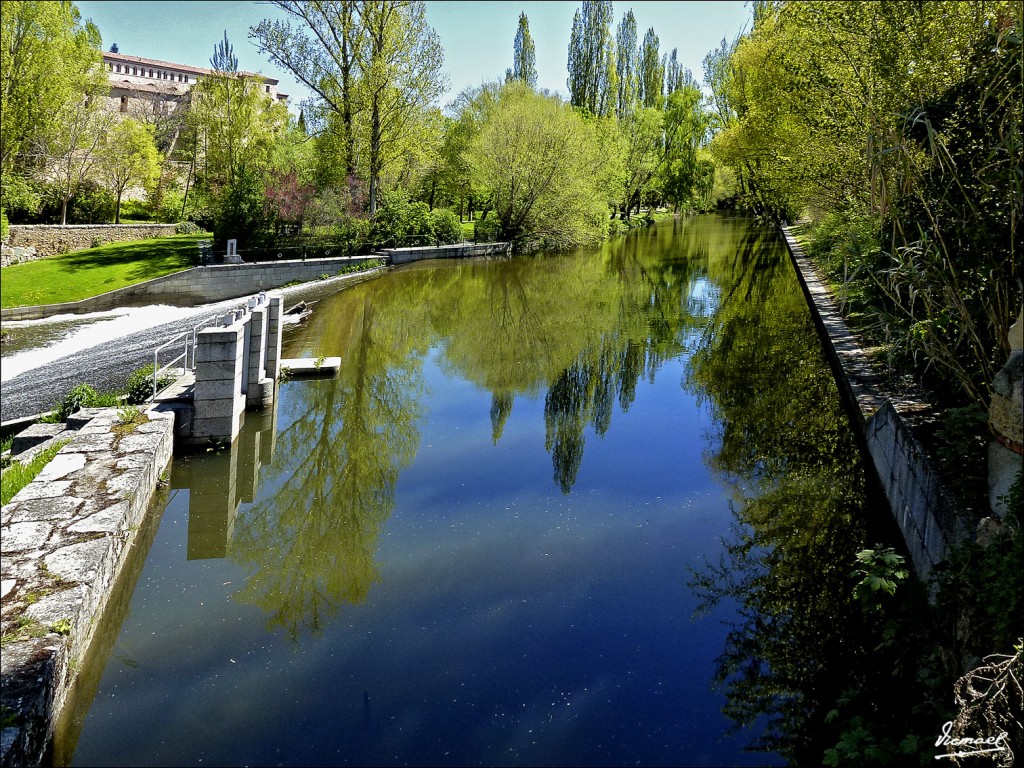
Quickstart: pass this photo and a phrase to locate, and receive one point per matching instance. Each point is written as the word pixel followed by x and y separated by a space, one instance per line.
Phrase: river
pixel 591 508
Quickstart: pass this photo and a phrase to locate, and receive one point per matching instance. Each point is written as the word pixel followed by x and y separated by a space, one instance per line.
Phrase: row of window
pixel 141 72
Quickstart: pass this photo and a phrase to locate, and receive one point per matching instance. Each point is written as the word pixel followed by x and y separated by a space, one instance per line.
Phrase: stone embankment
pixel 218 282
pixel 27 242
pixel 921 505
pixel 65 538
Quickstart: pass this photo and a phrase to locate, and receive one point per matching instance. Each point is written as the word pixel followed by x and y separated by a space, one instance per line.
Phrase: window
pixel 118 67
pixel 151 73
pixel 186 78
pixel 268 89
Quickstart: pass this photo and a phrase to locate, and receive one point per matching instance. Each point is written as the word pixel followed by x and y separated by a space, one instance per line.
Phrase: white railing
pixel 182 357
pixel 191 338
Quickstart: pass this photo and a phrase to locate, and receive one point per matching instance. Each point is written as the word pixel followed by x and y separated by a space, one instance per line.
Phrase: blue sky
pixel 477 36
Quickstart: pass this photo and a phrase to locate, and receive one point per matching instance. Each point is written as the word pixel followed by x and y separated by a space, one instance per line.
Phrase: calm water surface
pixel 486 541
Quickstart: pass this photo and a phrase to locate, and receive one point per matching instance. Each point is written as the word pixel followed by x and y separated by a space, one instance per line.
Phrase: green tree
pixel 652 72
pixel 49 59
pixel 538 159
pixel 592 77
pixel 524 54
pixel 235 129
pixel 401 68
pixel 70 149
pixel 127 156
pixel 321 48
pixel 627 66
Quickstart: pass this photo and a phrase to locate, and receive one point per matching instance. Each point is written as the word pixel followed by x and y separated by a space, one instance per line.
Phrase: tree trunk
pixel 117 211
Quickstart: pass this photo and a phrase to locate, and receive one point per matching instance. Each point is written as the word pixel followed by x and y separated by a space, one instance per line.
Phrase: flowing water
pixel 545 505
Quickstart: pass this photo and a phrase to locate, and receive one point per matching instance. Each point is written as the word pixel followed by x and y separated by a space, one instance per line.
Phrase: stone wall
pixel 66 538
pixel 52 239
pixel 920 504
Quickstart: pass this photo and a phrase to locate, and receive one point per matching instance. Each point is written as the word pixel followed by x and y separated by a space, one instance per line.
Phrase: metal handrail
pixel 156 354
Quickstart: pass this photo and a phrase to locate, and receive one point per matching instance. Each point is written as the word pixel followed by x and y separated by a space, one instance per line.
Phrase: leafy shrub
pixel 4 226
pixel 91 204
pixel 617 227
pixel 135 210
pixel 487 229
pixel 399 222
pixel 187 228
pixel 139 386
pixel 446 226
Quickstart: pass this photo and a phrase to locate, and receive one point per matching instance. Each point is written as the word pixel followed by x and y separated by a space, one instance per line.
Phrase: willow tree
pixel 542 165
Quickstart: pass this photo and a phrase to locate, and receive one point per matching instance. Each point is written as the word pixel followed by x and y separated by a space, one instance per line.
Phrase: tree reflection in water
pixel 802 510
pixel 309 546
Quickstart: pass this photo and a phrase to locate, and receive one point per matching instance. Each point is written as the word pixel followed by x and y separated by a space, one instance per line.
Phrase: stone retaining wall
pixel 920 504
pixel 199 285
pixel 65 538
pixel 52 239
pixel 457 251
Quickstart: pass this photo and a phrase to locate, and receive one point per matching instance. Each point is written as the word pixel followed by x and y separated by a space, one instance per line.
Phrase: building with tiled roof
pixel 154 90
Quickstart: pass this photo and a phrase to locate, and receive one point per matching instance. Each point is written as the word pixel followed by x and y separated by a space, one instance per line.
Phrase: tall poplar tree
pixel 652 72
pixel 524 59
pixel 592 74
pixel 627 65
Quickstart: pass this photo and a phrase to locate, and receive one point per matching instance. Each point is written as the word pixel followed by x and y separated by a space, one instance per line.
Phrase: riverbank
pixel 921 504
pixel 66 537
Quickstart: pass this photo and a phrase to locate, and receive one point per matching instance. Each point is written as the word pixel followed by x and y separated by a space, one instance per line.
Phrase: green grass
pixel 81 274
pixel 17 476
pixel 468 230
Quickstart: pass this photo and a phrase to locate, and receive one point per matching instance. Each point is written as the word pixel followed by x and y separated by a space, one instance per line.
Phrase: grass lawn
pixel 81 274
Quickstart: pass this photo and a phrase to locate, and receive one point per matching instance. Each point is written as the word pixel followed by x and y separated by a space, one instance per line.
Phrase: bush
pixel 138 388
pixel 617 227
pixel 91 204
pixel 399 222
pixel 4 226
pixel 187 228
pixel 82 396
pixel 446 226
pixel 487 229
pixel 135 210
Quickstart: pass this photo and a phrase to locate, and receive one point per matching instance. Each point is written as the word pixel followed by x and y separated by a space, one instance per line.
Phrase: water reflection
pixel 801 504
pixel 469 547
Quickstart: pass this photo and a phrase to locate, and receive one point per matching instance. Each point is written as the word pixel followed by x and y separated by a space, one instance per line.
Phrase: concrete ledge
pixel 457 251
pixel 65 538
pixel 307 366
pixel 920 504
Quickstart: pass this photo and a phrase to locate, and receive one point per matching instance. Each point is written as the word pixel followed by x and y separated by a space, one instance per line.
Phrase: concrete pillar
pixel 218 390
pixel 275 318
pixel 257 351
